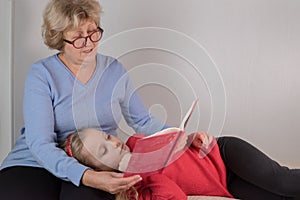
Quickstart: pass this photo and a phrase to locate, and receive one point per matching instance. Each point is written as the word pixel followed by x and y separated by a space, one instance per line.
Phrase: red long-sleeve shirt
pixel 193 173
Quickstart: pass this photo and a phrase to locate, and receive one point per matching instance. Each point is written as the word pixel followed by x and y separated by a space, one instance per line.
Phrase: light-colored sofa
pixel 208 198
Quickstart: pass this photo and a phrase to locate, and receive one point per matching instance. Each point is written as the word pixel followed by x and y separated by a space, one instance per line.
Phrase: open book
pixel 152 153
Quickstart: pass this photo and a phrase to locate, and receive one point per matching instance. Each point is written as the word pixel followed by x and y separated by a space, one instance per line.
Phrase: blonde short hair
pixel 62 15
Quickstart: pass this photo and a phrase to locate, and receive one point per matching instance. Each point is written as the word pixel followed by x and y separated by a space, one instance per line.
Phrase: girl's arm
pixel 159 186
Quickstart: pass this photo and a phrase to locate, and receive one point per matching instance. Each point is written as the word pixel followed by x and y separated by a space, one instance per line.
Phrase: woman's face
pixel 104 151
pixel 88 52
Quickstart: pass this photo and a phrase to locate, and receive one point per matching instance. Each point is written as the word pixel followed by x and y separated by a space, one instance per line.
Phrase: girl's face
pixel 86 53
pixel 103 151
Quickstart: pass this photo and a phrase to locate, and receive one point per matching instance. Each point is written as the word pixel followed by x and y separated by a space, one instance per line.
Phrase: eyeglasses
pixel 80 42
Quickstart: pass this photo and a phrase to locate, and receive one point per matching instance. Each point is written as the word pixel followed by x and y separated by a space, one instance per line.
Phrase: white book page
pixel 164 131
pixel 188 115
pixel 183 122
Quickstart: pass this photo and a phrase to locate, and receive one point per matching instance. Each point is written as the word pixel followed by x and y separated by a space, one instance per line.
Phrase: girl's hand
pixel 111 182
pixel 202 140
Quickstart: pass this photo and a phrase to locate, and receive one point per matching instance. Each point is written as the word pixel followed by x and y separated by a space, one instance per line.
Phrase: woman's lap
pixel 71 192
pixel 30 183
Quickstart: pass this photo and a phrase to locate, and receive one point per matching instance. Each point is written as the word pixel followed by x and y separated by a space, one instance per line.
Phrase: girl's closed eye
pixel 104 150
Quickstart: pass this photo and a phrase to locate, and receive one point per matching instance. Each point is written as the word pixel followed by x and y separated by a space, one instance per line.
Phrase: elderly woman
pixel 75 88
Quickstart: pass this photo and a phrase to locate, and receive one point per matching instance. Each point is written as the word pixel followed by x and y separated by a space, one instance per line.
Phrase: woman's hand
pixel 202 140
pixel 111 182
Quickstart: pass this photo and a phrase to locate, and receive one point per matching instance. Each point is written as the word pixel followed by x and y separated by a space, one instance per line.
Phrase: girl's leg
pixel 242 189
pixel 28 183
pixel 253 166
pixel 71 192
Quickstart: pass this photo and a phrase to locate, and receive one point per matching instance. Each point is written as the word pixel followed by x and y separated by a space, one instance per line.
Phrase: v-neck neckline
pixel 74 77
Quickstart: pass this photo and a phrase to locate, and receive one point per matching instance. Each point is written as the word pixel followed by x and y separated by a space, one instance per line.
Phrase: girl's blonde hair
pixel 62 15
pixel 75 146
pixel 74 143
pixel 130 194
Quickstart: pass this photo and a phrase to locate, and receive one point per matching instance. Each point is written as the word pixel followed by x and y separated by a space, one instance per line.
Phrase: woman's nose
pixel 88 42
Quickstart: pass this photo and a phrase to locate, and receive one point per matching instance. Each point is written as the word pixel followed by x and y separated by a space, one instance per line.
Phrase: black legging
pixel 253 175
pixel 31 183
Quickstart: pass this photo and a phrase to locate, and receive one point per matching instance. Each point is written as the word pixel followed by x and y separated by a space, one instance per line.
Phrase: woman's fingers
pixel 111 182
pixel 119 183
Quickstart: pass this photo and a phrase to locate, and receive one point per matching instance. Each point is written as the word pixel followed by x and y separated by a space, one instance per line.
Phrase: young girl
pixel 199 170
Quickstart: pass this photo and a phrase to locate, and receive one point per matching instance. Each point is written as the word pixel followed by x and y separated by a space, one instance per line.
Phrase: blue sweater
pixel 56 104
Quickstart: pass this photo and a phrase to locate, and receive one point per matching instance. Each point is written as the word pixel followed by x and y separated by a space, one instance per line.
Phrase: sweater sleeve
pixel 39 129
pixel 159 187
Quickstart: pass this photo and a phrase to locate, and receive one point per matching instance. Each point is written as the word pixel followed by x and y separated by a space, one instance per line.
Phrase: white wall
pixel 5 79
pixel 251 46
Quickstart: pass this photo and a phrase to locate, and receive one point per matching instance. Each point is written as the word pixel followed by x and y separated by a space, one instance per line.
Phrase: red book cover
pixel 152 153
